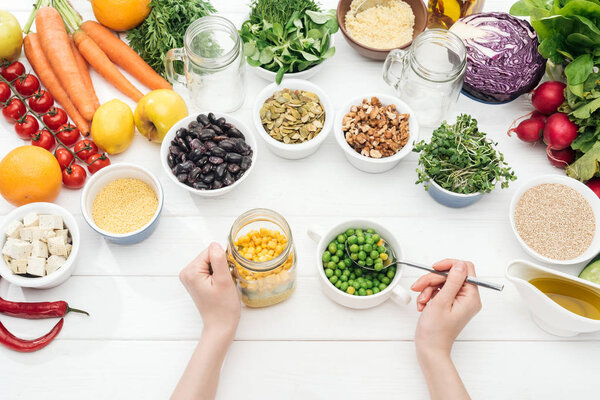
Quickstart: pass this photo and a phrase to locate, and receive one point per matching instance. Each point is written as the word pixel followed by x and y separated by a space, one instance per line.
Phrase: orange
pixel 120 15
pixel 29 174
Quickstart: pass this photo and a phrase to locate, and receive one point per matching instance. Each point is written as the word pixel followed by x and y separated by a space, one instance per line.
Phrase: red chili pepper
pixel 27 346
pixel 37 310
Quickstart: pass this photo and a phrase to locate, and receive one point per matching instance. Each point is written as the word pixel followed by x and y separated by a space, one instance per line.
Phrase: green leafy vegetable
pixel 461 159
pixel 587 165
pixel 287 35
pixel 164 29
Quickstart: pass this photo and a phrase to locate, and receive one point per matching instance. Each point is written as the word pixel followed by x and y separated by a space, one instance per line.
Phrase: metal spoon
pixel 369 4
pixel 393 260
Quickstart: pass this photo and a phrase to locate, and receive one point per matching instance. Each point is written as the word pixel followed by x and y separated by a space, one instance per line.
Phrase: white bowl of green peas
pixel 347 283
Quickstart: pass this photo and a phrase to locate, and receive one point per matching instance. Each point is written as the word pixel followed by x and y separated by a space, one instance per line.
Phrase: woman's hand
pixel 447 305
pixel 215 295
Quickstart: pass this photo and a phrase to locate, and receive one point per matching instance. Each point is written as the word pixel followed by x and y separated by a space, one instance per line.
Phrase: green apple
pixel 11 37
pixel 157 112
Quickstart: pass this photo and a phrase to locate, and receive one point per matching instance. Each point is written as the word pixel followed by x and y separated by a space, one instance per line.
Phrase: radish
pixel 561 158
pixel 594 184
pixel 559 131
pixel 538 115
pixel 547 97
pixel 529 130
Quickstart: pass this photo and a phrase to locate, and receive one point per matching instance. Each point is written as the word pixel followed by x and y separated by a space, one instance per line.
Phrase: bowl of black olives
pixel 208 154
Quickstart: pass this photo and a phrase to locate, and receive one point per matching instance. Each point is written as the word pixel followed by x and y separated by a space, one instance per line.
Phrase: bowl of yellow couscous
pixel 122 202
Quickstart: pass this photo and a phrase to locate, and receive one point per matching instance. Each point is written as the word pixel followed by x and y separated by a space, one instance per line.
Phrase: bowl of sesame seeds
pixel 556 219
pixel 122 202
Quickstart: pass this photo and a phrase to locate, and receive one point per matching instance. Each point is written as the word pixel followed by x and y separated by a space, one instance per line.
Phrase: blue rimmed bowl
pixel 108 174
pixel 451 199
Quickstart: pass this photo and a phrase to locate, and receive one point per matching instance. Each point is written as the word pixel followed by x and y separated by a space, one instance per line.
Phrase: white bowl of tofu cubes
pixel 39 243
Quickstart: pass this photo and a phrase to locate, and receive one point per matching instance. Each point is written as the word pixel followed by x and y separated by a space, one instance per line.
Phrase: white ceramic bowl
pixel 399 294
pixel 61 274
pixel 368 164
pixel 293 151
pixel 103 178
pixel 164 152
pixel 582 189
pixel 306 74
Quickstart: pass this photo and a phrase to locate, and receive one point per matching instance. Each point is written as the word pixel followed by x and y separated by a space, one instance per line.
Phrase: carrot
pixel 41 66
pixel 124 56
pixel 55 43
pixel 101 63
pixel 85 73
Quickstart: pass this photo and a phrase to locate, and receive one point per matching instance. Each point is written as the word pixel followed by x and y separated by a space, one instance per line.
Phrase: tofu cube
pixel 17 249
pixel 27 233
pixel 36 266
pixel 18 266
pixel 50 221
pixel 13 229
pixel 6 259
pixel 39 249
pixel 57 246
pixel 42 234
pixel 69 248
pixel 31 219
pixel 53 263
pixel 64 233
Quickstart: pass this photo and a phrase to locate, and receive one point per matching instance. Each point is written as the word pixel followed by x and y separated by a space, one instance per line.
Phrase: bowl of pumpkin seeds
pixel 293 118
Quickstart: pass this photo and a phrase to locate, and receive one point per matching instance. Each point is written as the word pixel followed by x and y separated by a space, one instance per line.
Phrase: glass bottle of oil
pixel 444 13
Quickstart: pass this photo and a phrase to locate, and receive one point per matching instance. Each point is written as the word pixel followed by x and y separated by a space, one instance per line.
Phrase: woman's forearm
pixel 441 376
pixel 201 376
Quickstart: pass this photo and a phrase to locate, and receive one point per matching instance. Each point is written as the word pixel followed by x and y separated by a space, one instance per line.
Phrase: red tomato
pixel 54 118
pixel 74 176
pixel 68 134
pixel 41 101
pixel 27 85
pixel 4 92
pixel 13 110
pixel 64 157
pixel 85 149
pixel 27 126
pixel 12 71
pixel 96 162
pixel 43 139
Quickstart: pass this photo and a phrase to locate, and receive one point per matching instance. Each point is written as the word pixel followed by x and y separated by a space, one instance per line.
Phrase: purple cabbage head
pixel 503 61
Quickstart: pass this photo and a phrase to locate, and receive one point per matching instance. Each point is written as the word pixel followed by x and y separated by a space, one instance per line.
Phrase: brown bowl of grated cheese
pixel 376 31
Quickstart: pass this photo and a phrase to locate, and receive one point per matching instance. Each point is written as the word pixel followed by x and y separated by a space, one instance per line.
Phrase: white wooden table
pixel 143 325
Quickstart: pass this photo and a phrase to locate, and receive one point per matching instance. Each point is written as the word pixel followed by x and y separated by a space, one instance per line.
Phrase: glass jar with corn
pixel 262 257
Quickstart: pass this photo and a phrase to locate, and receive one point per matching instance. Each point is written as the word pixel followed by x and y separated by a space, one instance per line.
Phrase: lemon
pixel 113 127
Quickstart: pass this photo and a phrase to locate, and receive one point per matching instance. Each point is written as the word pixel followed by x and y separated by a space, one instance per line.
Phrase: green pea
pixel 354 256
pixel 347 272
pixel 362 255
pixel 361 263
pixel 385 280
pixel 352 239
pixel 380 276
pixel 349 232
pixel 335 259
pixel 362 292
pixel 333 279
pixel 328 272
pixel 369 292
pixel 382 286
pixel 352 276
pixel 381 249
pixel 358 271
pixel 338 284
pixel 376 237
pixel 341 238
pixel 326 256
pixel 332 248
pixel 350 290
pixel 339 253
pixel 376 282
pixel 344 286
pixel 343 278
pixel 369 261
pixel 369 284
pixel 360 240
pixel 371 231
pixel 369 240
pixel 374 255
pixel 347 262
pixel 341 265
pixel 340 246
pixel 337 272
pixel 376 290
pixel 390 274
pixel 368 248
pixel 359 232
pixel 378 266
pixel 354 248
pixel 331 265
pixel 364 285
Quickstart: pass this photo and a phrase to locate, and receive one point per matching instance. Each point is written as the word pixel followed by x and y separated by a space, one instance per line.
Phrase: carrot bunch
pixel 61 60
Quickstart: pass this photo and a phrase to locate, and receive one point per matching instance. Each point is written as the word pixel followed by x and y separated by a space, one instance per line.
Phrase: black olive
pixel 175 150
pixel 217 184
pixel 200 186
pixel 220 171
pixel 215 160
pixel 229 179
pixel 227 145
pixel 202 119
pixel 171 160
pixel 233 168
pixel 212 118
pixel 206 134
pixel 217 151
pixel 233 158
pixel 246 162
pixel 207 168
pixel 208 178
pixel 235 133
pixel 217 129
pixel 182 178
pixel 195 155
pixel 194 174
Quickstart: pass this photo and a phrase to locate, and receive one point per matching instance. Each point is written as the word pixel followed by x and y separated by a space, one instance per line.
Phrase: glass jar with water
pixel 213 65
pixel 429 75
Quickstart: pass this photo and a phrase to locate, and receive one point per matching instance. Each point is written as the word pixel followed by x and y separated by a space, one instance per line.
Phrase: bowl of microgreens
pixel 288 37
pixel 460 164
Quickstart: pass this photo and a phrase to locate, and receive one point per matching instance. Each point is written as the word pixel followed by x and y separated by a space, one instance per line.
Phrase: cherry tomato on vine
pixel 54 118
pixel 64 157
pixel 4 92
pixel 96 162
pixel 27 126
pixel 43 139
pixel 68 134
pixel 41 101
pixel 27 85
pixel 85 149
pixel 12 71
pixel 13 110
pixel 74 176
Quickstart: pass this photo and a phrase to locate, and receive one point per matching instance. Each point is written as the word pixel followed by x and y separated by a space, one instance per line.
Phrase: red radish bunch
pixel 547 97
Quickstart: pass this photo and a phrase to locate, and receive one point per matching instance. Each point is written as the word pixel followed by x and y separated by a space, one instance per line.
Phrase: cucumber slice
pixel 592 271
